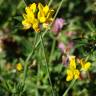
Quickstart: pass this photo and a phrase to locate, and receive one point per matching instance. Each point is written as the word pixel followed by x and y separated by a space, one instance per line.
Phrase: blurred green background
pixel 16 44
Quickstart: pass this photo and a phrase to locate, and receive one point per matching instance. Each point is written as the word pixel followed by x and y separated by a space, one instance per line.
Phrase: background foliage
pixel 16 45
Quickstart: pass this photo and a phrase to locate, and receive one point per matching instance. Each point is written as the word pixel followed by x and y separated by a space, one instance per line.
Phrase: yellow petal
pixel 26 24
pixel 50 13
pixel 33 7
pixel 24 16
pixel 39 15
pixel 36 25
pixel 87 66
pixel 46 9
pixel 72 64
pixel 69 75
pixel 42 19
pixel 40 7
pixel 19 67
pixel 76 74
pixel 30 17
pixel 28 10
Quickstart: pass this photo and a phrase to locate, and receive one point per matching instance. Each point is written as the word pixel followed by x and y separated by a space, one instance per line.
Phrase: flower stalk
pixel 70 86
pixel 47 67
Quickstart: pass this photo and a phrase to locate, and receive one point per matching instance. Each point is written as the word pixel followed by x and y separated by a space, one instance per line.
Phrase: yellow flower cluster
pixel 85 65
pixel 72 71
pixel 36 15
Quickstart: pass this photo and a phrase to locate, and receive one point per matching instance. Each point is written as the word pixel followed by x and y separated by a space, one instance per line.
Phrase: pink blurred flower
pixel 61 46
pixel 70 34
pixel 58 25
pixel 69 46
pixel 65 48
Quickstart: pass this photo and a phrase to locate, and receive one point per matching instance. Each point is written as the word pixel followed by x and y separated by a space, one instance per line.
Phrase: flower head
pixel 69 75
pixel 30 19
pixel 84 65
pixel 61 46
pixel 45 13
pixel 72 63
pixel 58 25
pixel 19 67
pixel 37 15
pixel 72 72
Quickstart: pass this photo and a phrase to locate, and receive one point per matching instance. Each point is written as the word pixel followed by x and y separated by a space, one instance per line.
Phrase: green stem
pixel 1 2
pixel 52 50
pixel 47 67
pixel 70 86
pixel 90 27
pixel 38 70
pixel 25 2
pixel 28 58
pixel 58 8
pixel 50 2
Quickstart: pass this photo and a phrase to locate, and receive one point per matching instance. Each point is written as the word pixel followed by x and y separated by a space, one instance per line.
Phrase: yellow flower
pixel 19 67
pixel 72 63
pixel 33 7
pixel 26 24
pixel 85 65
pixel 76 74
pixel 36 25
pixel 72 72
pixel 30 19
pixel 69 75
pixel 45 14
pixel 36 16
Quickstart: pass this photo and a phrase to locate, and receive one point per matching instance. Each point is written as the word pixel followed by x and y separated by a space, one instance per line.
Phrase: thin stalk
pixel 38 70
pixel 50 2
pixel 90 27
pixel 52 50
pixel 1 2
pixel 60 4
pixel 28 58
pixel 70 86
pixel 47 64
pixel 25 2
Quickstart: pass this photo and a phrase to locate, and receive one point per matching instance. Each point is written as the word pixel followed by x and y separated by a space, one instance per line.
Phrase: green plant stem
pixel 60 4
pixel 25 2
pixel 90 27
pixel 1 1
pixel 47 67
pixel 28 58
pixel 52 50
pixel 38 70
pixel 50 2
pixel 70 86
